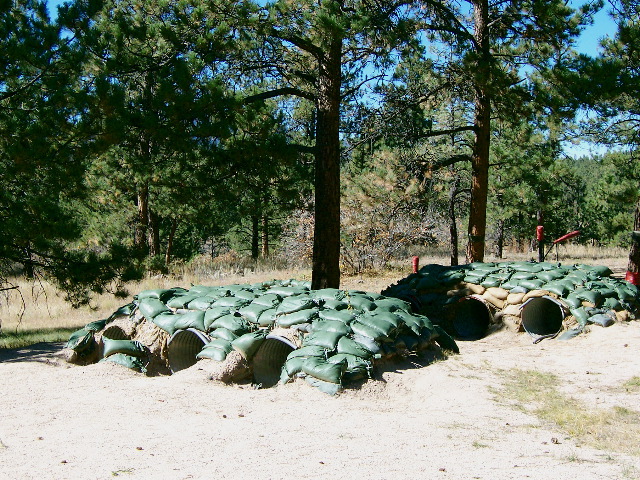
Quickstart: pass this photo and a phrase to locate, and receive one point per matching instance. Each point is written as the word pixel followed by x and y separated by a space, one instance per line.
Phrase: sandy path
pixel 442 421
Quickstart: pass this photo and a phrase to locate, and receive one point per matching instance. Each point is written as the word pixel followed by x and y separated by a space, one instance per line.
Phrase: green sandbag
pixel 361 302
pixel 214 352
pixel 557 288
pixel 231 322
pixel 527 267
pixel 187 320
pixel 231 302
pixel 325 387
pixel 580 315
pixel 492 281
pixel 474 278
pixel 599 270
pixel 129 361
pixel 612 304
pixel 323 370
pixel 386 324
pixel 518 276
pixel 166 321
pixel 427 282
pixel 220 343
pixel 350 346
pixel 202 303
pixel 213 314
pixel 444 340
pixel 392 305
pixel 249 343
pixel 162 294
pixel 533 284
pixel 204 290
pixel 127 347
pixel 294 304
pixel 245 295
pixel 415 323
pixel 323 338
pixel 224 334
pixel 331 326
pixel 268 318
pixel 309 351
pixel 367 331
pixel 330 304
pixel 328 294
pixel 270 300
pixel 80 341
pixel 451 277
pixel 344 316
pixel 296 318
pixel 96 326
pixel 288 291
pixel 486 267
pixel 292 366
pixel 573 300
pixel 357 367
pixel 367 342
pixel 181 301
pixel 550 275
pixel 253 311
pixel 152 307
pixel 592 296
pixel 353 361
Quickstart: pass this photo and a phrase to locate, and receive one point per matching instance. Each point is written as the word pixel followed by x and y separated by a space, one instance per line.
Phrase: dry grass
pixel 613 430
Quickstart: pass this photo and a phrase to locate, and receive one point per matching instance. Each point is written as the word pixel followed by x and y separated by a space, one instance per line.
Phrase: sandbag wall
pixel 282 330
pixel 541 298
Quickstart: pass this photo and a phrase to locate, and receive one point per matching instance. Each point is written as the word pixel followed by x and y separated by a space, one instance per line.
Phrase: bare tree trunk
pixel 265 236
pixel 453 227
pixel 142 225
pixel 326 238
pixel 154 234
pixel 633 267
pixel 172 234
pixel 482 127
pixel 255 237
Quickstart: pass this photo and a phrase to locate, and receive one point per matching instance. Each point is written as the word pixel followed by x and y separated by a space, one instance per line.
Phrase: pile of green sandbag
pixel 589 293
pixel 342 332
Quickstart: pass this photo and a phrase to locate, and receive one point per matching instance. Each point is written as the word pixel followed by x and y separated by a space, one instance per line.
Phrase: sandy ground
pixel 439 421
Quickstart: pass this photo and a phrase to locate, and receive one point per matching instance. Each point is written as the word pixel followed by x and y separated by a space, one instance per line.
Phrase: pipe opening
pixel 182 348
pixel 471 319
pixel 542 316
pixel 269 360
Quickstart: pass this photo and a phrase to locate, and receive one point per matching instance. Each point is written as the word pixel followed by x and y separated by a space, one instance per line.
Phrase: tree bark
pixel 154 234
pixel 482 143
pixel 255 237
pixel 326 239
pixel 634 253
pixel 453 227
pixel 140 238
pixel 265 236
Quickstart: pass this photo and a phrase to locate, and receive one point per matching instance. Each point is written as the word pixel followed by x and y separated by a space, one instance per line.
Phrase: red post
pixel 416 263
pixel 633 278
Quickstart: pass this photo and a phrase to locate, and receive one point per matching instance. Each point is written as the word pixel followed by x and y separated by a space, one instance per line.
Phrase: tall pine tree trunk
pixel 265 236
pixel 453 226
pixel 142 224
pixel 326 238
pixel 255 237
pixel 482 127
pixel 633 267
pixel 154 234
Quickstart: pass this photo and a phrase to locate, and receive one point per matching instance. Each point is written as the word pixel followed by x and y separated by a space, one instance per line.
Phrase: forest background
pixel 141 136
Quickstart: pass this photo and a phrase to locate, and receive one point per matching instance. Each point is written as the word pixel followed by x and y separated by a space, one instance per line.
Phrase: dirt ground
pixel 444 420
